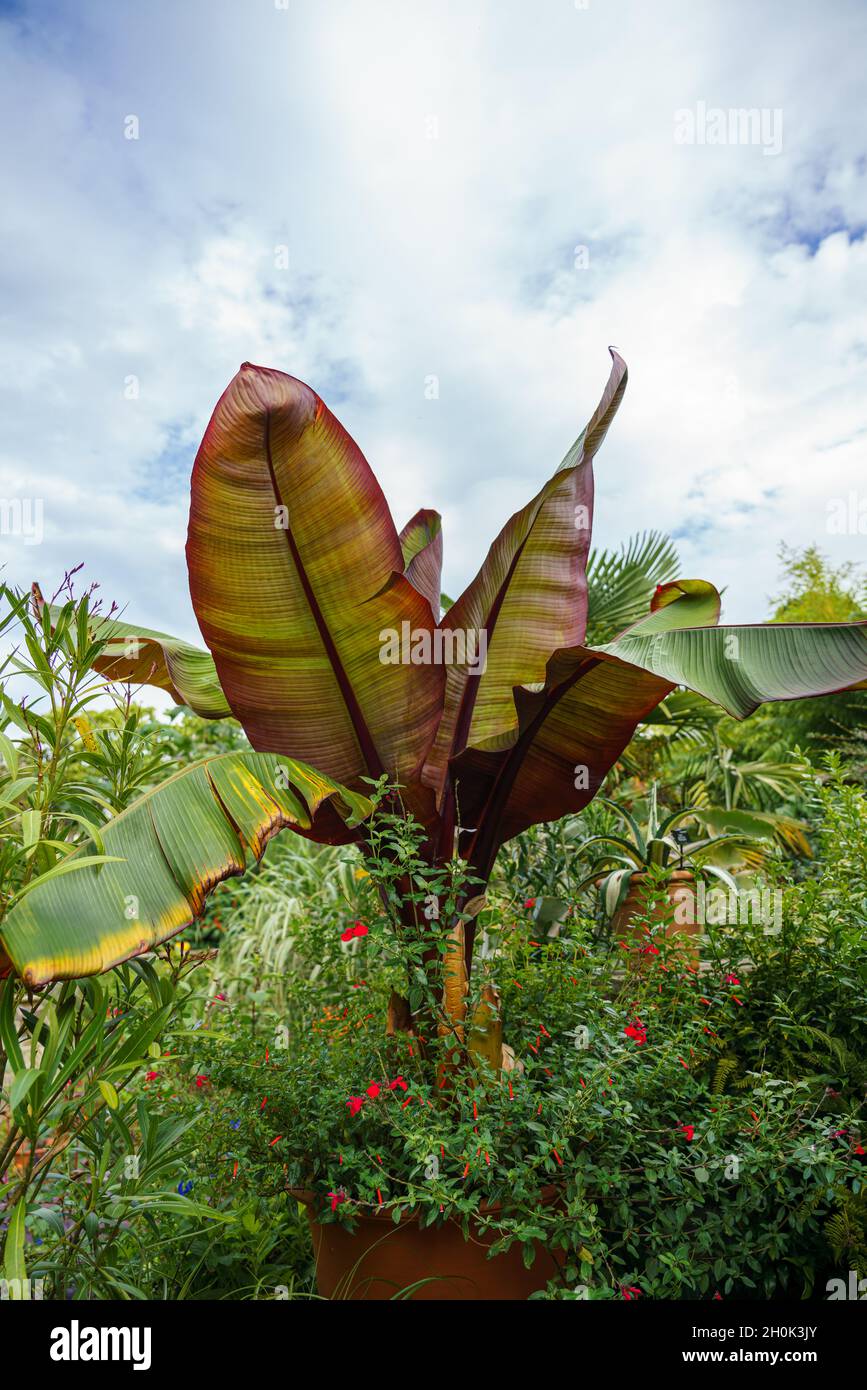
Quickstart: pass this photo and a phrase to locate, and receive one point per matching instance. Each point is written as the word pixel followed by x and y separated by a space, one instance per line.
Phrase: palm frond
pixel 620 583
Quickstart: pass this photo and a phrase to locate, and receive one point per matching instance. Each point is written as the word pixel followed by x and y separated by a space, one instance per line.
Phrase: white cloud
pixel 431 167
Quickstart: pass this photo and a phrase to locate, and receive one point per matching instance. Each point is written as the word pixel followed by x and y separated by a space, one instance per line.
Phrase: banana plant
pixel 325 640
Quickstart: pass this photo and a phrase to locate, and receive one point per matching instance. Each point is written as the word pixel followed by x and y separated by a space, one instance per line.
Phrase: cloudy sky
pixel 433 169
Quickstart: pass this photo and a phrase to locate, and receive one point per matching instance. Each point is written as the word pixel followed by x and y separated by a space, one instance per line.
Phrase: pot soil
pixel 680 892
pixel 382 1260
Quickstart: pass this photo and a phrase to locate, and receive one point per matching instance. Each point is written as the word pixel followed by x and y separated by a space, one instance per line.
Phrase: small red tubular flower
pixel 201 1081
pixel 357 929
pixel 373 1090
pixel 337 1198
pixel 355 1103
pixel 637 1031
pixel 398 1081
pixel 530 903
pixel 688 1132
pixel 732 980
pixel 151 1076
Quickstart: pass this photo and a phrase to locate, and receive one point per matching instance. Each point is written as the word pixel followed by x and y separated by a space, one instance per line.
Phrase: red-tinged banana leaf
pixel 593 699
pixel 297 579
pixel 741 667
pixel 421 542
pixel 140 656
pixel 207 823
pixel 572 728
pixel 529 599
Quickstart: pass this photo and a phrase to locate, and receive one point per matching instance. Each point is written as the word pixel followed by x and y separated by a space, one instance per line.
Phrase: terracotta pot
pixel 679 889
pixel 381 1260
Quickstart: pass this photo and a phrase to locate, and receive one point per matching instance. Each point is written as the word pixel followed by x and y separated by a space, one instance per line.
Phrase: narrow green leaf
pixel 21 1085
pixel 14 1266
pixel 109 1094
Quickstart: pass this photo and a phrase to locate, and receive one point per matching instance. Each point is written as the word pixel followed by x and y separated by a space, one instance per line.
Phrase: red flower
pixel 732 980
pixel 373 1090
pixel 530 903
pixel 398 1081
pixel 637 1031
pixel 337 1198
pixel 688 1132
pixel 357 929
pixel 650 950
pixel 629 1291
pixel 355 1103
pixel 152 1076
pixel 201 1081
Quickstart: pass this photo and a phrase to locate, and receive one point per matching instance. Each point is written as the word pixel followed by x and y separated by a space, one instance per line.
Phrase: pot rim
pixel 368 1211
pixel 640 875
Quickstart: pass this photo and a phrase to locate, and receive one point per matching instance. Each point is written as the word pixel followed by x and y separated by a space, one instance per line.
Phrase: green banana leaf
pixel 142 656
pixel 207 823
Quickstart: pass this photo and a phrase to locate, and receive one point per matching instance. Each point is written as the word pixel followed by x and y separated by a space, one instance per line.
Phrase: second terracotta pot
pixel 680 896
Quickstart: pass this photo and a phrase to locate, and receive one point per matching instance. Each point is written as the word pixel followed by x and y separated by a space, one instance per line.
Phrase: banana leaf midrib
pixel 484 844
pixel 579 454
pixel 359 724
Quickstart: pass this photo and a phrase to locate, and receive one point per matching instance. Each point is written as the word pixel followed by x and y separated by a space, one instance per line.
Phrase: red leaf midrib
pixel 362 733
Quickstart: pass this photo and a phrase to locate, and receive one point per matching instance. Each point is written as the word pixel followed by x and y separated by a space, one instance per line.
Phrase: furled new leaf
pixel 421 542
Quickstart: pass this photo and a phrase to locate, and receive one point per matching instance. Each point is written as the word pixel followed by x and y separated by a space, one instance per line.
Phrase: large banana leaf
pixel 142 656
pixel 207 823
pixel 529 598
pixel 593 698
pixel 297 576
pixel 572 728
pixel 741 667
